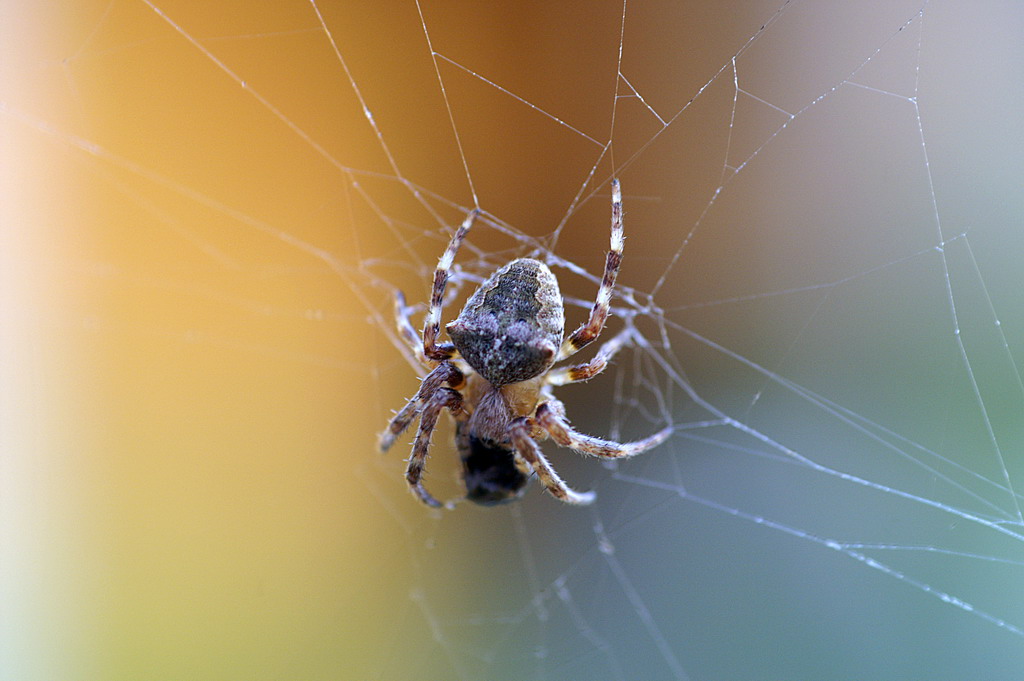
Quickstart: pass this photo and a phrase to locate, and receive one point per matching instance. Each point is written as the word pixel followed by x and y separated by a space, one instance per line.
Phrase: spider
pixel 495 377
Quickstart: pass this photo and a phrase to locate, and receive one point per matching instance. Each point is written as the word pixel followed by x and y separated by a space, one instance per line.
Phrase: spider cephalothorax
pixel 495 376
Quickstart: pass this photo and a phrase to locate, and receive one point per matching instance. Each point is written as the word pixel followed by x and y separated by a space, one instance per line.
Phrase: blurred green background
pixel 201 232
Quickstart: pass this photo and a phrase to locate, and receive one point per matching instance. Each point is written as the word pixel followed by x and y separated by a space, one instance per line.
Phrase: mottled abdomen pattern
pixel 512 326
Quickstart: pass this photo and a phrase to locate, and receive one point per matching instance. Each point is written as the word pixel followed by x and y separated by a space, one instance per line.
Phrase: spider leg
pixel 587 370
pixel 411 344
pixel 527 450
pixel 413 348
pixel 405 329
pixel 445 372
pixel 432 326
pixel 443 398
pixel 551 417
pixel 590 330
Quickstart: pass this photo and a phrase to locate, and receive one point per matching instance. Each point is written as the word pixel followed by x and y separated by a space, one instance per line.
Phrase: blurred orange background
pixel 201 236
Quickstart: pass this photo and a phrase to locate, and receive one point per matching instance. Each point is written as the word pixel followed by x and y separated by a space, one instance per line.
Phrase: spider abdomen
pixel 512 325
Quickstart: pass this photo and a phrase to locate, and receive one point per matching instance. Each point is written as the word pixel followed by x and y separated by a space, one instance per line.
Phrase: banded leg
pixel 443 398
pixel 445 372
pixel 551 417
pixel 527 449
pixel 412 341
pixel 590 330
pixel 587 370
pixel 432 326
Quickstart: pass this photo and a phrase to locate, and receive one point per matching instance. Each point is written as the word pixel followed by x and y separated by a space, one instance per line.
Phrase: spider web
pixel 821 279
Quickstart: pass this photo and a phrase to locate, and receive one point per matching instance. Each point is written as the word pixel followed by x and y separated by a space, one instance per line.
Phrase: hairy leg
pixel 528 449
pixel 444 398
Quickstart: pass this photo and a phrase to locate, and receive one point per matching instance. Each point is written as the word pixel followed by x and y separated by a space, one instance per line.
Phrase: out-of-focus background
pixel 205 211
